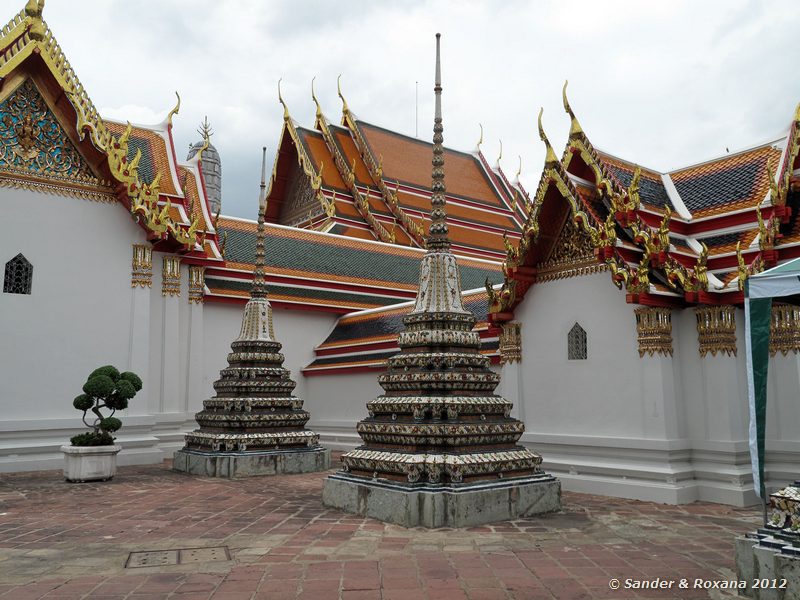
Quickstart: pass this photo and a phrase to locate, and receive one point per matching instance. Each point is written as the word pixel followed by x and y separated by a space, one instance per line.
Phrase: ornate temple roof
pixel 364 340
pixel 365 181
pixel 135 166
pixel 677 238
pixel 325 271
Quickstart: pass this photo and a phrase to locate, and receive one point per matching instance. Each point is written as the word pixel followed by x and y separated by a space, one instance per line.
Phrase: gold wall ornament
pixel 196 284
pixel 654 330
pixel 142 266
pixel 510 342
pixel 716 330
pixel 171 276
pixel 784 334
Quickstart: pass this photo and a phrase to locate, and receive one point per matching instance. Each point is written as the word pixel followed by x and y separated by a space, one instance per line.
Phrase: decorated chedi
pixel 440 448
pixel 254 425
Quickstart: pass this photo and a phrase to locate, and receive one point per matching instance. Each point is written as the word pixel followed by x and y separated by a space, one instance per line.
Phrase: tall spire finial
pixel 205 128
pixel 259 289
pixel 205 131
pixel 437 234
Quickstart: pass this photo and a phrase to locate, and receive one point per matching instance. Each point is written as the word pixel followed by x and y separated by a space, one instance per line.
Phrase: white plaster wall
pixel 77 316
pixel 599 396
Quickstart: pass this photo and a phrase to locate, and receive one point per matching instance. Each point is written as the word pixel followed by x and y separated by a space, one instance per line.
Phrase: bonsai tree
pixel 105 389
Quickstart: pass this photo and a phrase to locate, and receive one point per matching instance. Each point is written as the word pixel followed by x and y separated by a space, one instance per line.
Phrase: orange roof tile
pixel 155 155
pixel 409 160
pixel 727 183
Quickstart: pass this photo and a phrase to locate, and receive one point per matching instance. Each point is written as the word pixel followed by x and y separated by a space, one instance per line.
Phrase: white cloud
pixel 661 83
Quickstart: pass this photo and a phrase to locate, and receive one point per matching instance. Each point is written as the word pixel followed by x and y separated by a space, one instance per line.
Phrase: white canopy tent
pixel 759 290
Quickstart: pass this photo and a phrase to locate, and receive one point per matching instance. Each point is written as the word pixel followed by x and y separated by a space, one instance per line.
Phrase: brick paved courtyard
pixel 69 541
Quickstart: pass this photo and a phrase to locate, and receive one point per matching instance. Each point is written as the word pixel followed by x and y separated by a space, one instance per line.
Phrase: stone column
pixel 783 409
pixel 660 411
pixel 139 344
pixel 511 359
pixel 195 386
pixel 171 398
pixel 725 399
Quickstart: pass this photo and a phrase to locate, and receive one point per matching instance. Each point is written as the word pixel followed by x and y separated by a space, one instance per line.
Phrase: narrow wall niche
pixel 18 276
pixel 576 343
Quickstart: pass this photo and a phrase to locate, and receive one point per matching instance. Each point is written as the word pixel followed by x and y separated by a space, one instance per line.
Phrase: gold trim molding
pixel 716 330
pixel 654 330
pixel 510 342
pixel 784 330
pixel 196 284
pixel 171 276
pixel 142 266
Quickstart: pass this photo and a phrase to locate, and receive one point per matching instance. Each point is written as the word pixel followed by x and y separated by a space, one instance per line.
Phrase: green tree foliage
pixel 105 389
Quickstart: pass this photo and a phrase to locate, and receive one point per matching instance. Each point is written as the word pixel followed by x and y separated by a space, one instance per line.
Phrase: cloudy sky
pixel 665 84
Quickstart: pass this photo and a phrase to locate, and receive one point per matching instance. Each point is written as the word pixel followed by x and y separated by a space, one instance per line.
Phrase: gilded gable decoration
pixel 784 333
pixel 196 284
pixel 654 330
pixel 716 330
pixel 142 266
pixel 510 342
pixel 572 255
pixel 171 276
pixel 34 147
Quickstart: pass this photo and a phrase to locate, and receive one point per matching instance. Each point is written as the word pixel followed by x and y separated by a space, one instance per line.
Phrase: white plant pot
pixel 90 463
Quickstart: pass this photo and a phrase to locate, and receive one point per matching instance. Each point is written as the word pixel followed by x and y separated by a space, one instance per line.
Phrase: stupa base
pixel 445 506
pixel 252 464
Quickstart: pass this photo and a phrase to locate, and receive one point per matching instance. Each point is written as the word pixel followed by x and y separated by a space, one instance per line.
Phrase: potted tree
pixel 92 456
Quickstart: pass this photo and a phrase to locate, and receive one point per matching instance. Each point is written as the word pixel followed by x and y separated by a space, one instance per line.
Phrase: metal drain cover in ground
pixel 161 558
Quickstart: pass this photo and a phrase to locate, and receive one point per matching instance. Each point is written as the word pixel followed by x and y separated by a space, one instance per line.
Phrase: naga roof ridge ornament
pixel 175 110
pixel 345 109
pixel 286 115
pixel 574 127
pixel 480 140
pixel 550 155
pixel 316 102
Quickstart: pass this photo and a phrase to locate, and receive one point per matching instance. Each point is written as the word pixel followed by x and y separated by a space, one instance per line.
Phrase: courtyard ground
pixel 274 540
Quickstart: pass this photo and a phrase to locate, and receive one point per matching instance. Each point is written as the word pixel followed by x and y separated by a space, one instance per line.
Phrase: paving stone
pixel 285 545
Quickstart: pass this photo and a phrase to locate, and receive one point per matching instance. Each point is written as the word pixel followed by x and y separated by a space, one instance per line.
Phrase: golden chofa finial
pixel 500 156
pixel 314 98
pixel 519 171
pixel 33 10
pixel 797 112
pixel 550 156
pixel 286 116
pixel 480 140
pixel 345 108
pixel 575 127
pixel 175 110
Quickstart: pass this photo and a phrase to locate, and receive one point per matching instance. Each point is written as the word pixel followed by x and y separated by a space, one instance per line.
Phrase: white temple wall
pixel 76 319
pixel 613 423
